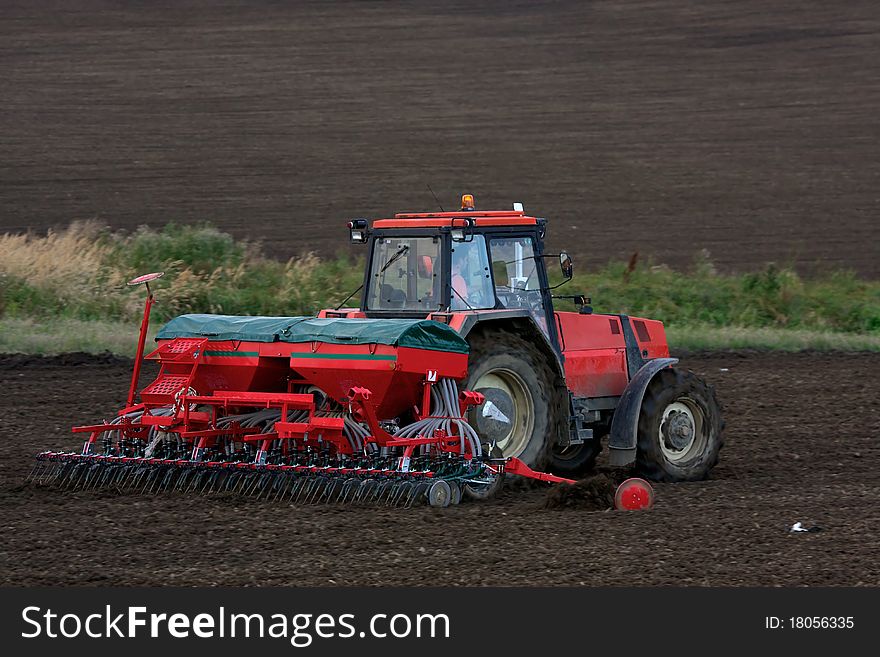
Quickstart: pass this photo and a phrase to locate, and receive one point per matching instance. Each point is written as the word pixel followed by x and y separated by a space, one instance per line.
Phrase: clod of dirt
pixel 592 494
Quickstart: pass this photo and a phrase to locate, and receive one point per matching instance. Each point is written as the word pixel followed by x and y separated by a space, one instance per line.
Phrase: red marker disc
pixel 146 278
pixel 633 495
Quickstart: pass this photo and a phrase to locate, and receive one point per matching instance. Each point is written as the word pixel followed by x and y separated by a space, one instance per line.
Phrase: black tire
pixel 482 492
pixel 577 459
pixel 680 428
pixel 514 361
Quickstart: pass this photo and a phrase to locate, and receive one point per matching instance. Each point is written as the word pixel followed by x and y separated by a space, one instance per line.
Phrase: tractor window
pixel 405 274
pixel 471 280
pixel 515 269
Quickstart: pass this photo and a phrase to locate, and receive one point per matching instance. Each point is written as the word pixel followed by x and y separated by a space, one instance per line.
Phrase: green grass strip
pixel 59 336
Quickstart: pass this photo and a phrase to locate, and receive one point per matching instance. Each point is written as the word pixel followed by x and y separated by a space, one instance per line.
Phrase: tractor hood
pixel 413 333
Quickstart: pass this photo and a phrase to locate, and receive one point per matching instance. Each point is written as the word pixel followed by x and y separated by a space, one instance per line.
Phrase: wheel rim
pixel 682 434
pixel 506 385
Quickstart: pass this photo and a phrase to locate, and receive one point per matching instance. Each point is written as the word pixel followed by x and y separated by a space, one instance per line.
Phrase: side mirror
pixel 357 229
pixel 463 233
pixel 565 265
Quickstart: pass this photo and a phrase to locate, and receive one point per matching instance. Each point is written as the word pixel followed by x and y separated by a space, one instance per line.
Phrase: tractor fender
pixel 625 424
pixel 521 322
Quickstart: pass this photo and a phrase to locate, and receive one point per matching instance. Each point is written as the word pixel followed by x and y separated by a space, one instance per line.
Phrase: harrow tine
pixel 313 488
pixel 331 491
pixel 153 474
pixel 282 485
pixel 117 477
pixel 385 490
pixel 400 493
pixel 49 470
pixel 365 490
pixel 167 481
pixel 93 476
pixel 126 477
pixel 201 481
pixel 307 489
pixel 253 483
pixel 180 480
pixel 68 475
pixel 151 485
pixel 105 476
pixel 134 480
pixel 187 477
pixel 264 482
pixel 38 467
pixel 91 471
pixel 194 481
pixel 75 475
pixel 282 481
pixel 231 481
pixel 57 474
pixel 243 482
pixel 267 484
pixel 349 490
pixel 375 493
pixel 114 474
pixel 260 479
pixel 81 475
pixel 418 491
pixel 215 482
pixel 303 491
pixel 318 489
pixel 298 484
pixel 247 483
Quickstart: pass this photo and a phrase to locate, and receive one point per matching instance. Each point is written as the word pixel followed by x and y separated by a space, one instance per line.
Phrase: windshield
pixel 517 284
pixel 471 279
pixel 405 274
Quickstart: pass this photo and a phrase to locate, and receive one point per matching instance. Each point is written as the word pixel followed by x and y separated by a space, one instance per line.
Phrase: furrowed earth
pixel 663 127
pixel 800 446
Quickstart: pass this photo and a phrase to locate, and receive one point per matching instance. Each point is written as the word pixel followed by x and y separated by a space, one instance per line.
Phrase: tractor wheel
pixel 679 434
pixel 576 459
pixel 524 410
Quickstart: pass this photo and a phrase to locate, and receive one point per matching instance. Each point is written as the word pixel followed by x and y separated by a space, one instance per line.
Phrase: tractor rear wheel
pixel 679 432
pixel 524 410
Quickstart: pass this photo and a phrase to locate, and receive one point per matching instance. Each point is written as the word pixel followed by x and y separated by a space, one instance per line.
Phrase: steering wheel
pixel 530 300
pixel 476 298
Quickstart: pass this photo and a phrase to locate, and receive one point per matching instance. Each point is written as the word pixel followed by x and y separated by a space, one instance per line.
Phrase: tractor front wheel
pixel 679 433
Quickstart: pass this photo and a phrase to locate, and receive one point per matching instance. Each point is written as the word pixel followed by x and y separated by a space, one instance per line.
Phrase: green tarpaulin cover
pixel 415 333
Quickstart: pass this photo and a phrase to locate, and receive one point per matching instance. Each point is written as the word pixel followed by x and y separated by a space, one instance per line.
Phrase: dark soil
pixel 801 445
pixel 593 493
pixel 747 128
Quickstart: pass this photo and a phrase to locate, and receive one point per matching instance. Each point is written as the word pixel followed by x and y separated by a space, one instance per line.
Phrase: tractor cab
pixel 484 274
pixel 430 264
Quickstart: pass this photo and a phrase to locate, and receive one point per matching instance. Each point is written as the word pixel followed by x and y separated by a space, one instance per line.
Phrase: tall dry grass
pixel 81 273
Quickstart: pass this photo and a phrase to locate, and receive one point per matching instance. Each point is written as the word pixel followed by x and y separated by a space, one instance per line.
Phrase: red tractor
pixel 556 383
pixel 455 369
